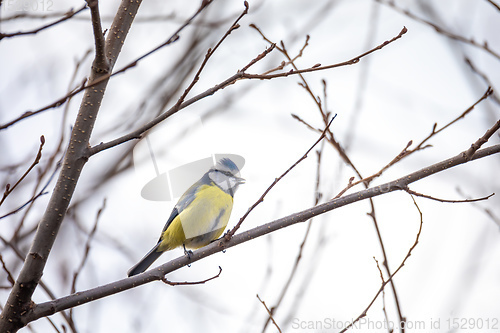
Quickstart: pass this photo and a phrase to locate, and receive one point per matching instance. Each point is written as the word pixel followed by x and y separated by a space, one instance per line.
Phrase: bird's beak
pixel 240 180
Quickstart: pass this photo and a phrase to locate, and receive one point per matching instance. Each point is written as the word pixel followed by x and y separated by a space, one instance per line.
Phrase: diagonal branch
pixel 125 19
pixel 417 194
pixel 156 274
pixel 494 4
pixel 230 233
pixel 67 16
pixel 8 188
pixel 137 134
pixel 482 140
pixel 385 282
pixel 484 46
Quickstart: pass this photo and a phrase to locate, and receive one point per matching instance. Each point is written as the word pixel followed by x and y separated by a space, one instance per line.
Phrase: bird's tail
pixel 145 262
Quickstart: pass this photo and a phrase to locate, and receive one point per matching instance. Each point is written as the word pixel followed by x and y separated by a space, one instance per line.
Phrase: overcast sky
pixel 390 97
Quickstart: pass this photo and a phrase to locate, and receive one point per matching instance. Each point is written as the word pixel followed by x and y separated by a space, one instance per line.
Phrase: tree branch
pixel 440 30
pixel 67 16
pixel 19 305
pixel 125 19
pixel 157 274
pixel 385 282
pixel 8 188
pixel 137 134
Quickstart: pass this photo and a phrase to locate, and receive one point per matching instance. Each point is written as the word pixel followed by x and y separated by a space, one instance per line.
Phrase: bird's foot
pixel 189 253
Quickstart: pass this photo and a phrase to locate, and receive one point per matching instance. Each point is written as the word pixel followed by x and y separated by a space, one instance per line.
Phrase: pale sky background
pixel 419 80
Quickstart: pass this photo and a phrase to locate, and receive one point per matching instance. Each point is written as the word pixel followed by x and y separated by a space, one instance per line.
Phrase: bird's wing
pixel 183 202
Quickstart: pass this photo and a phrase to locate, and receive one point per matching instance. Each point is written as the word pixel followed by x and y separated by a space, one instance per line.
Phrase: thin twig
pixel 407 189
pixel 67 16
pixel 395 160
pixel 384 309
pixel 482 140
pixel 269 313
pixel 345 157
pixel 384 283
pixel 152 18
pixel 52 158
pixel 10 278
pixel 484 46
pixel 298 258
pixel 187 283
pixel 488 92
pixel 8 188
pixel 210 52
pixel 487 211
pixel 137 134
pixel 494 4
pixel 315 68
pixel 230 233
pixel 36 196
pixel 174 37
pixel 345 189
pixel 406 151
pixel 483 76
pixel 87 247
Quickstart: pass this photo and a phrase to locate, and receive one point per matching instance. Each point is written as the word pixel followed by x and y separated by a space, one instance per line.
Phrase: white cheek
pixel 225 185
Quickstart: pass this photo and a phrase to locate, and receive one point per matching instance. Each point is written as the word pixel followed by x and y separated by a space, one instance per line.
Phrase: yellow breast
pixel 203 221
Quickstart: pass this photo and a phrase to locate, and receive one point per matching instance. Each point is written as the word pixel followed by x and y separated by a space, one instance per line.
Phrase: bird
pixel 200 216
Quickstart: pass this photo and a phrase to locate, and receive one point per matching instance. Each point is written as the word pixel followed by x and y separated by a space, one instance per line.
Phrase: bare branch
pixel 8 188
pixel 384 283
pixel 494 4
pixel 87 247
pixel 315 68
pixel 269 313
pixel 483 76
pixel 384 310
pixel 484 46
pixel 210 52
pixel 137 134
pixel 156 274
pixel 186 283
pixel 298 258
pixel 488 92
pixel 331 138
pixel 487 211
pixel 482 140
pixel 345 189
pixel 120 36
pixel 67 16
pixel 10 278
pixel 406 151
pixel 447 200
pixel 230 233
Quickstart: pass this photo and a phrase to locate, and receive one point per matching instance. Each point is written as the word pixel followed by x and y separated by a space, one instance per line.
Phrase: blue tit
pixel 201 214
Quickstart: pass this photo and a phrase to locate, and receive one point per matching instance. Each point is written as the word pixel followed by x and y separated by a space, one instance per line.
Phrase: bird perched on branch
pixel 201 214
